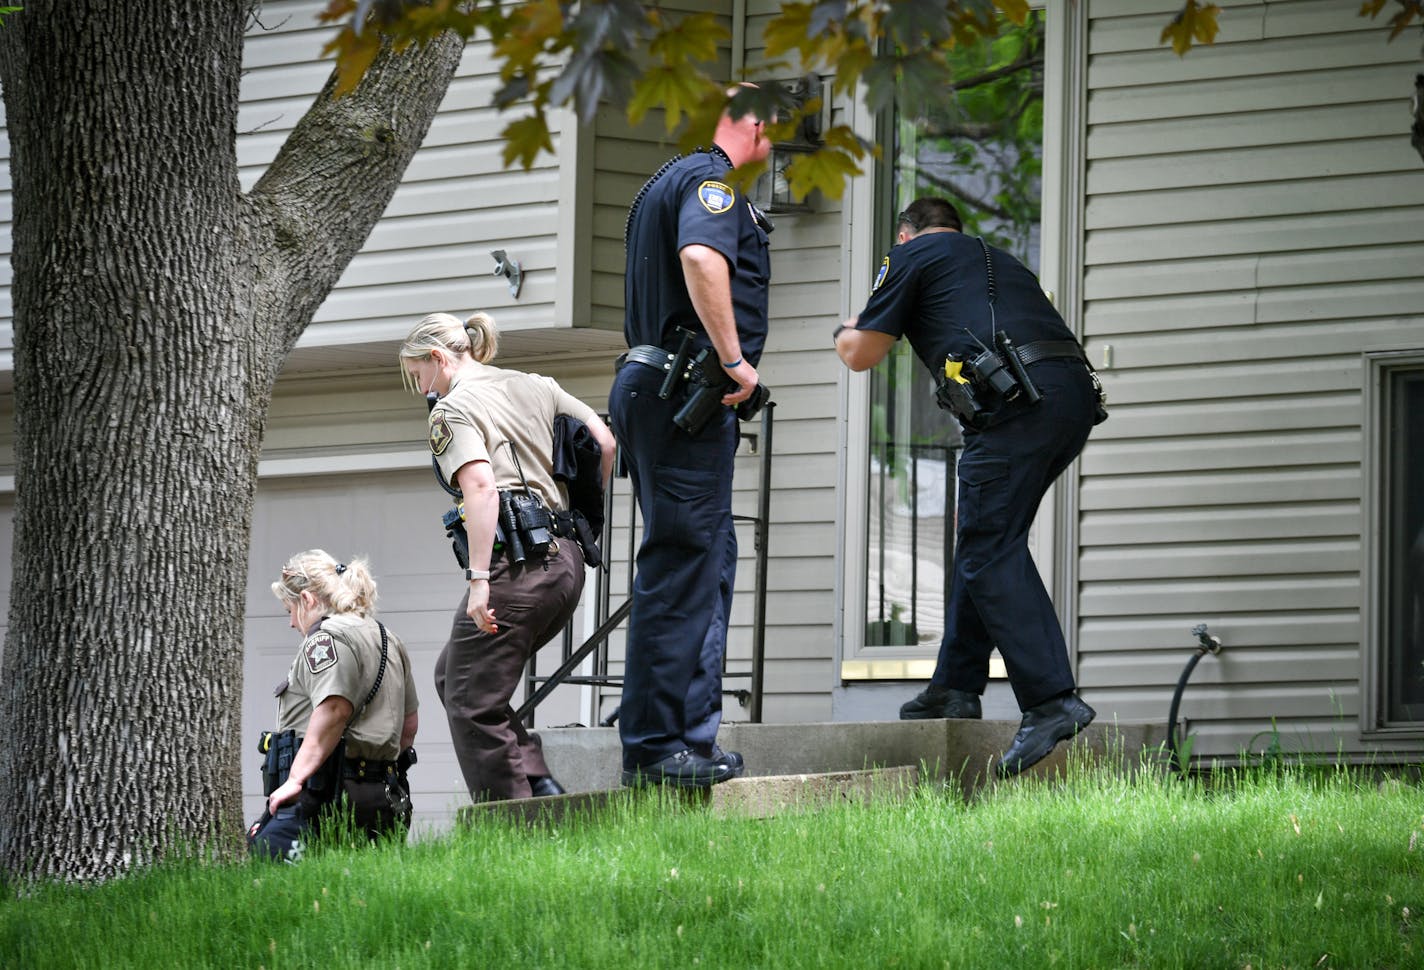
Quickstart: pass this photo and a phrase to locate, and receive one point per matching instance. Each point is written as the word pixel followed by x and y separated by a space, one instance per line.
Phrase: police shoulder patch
pixel 716 197
pixel 880 276
pixel 319 651
pixel 440 435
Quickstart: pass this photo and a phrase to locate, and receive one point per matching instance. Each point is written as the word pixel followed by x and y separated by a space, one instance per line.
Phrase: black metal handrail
pixel 538 689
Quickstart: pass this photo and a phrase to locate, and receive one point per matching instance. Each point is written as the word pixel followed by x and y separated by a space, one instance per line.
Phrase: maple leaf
pixel 790 30
pixel 524 138
pixel 354 54
pixel 1402 20
pixel 826 169
pixel 679 90
pixel 1193 23
pixel 693 38
pixel 851 65
pixel 1015 10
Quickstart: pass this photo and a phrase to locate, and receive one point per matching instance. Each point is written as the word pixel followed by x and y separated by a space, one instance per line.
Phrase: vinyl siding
pixel 1254 221
pixel 456 202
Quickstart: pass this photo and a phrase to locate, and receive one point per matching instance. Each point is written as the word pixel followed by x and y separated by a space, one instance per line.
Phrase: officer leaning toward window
pixel 698 268
pixel 1017 380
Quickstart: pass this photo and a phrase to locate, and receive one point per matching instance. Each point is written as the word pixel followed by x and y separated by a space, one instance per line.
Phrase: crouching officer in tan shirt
pixel 346 713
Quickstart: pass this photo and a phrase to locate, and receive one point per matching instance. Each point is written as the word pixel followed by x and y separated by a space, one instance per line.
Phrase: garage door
pixel 393 519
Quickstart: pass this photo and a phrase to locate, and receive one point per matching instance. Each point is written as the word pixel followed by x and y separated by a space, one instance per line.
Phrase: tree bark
pixel 154 304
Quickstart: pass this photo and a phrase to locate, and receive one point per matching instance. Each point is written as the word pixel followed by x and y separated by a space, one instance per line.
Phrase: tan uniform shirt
pixel 341 659
pixel 491 413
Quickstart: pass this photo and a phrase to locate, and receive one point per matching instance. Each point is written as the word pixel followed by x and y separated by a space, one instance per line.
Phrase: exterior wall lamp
pixel 772 192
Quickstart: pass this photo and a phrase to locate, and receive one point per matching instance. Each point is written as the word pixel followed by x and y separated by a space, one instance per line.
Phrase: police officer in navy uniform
pixel 697 259
pixel 934 289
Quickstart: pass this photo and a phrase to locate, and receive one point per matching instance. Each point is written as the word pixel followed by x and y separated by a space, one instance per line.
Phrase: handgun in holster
pixel 454 522
pixel 975 388
pixel 709 382
pixel 279 749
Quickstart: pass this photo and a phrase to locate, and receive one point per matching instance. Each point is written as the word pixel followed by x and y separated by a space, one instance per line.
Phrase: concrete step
pixel 800 766
pixel 590 759
pixel 757 797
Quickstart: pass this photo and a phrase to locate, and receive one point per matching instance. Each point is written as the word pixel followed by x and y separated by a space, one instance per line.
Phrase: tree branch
pixel 964 195
pixel 1025 61
pixel 318 201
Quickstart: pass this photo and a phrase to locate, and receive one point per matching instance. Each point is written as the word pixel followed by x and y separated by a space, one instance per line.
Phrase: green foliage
pixel 639 56
pixel 1279 869
pixel 6 11
pixel 978 139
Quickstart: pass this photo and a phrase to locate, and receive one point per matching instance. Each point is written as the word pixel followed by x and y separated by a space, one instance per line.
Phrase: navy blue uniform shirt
pixel 691 202
pixel 934 287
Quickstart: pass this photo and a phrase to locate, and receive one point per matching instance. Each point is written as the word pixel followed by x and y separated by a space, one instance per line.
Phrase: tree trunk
pixel 153 306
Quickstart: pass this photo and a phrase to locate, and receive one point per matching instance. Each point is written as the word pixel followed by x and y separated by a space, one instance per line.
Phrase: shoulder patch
pixel 881 274
pixel 319 651
pixel 716 197
pixel 440 435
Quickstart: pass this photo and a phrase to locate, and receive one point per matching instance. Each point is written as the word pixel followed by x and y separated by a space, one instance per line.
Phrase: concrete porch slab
pixel 758 797
pixel 590 759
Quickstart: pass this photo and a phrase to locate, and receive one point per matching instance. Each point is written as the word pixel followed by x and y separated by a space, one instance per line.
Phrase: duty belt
pixel 366 769
pixel 1051 350
pixel 647 354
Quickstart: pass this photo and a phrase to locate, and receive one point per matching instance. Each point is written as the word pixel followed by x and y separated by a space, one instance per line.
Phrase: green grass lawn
pixel 1293 869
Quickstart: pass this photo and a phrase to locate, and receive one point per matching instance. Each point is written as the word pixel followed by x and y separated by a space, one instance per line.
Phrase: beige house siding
pixel 456 203
pixel 1254 221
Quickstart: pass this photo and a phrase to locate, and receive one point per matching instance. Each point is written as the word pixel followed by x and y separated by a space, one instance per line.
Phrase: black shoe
pixel 542 786
pixel 1043 726
pixel 733 759
pixel 935 702
pixel 686 769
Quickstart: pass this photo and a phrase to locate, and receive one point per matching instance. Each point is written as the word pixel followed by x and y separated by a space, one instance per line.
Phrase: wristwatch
pixel 473 574
pixel 837 332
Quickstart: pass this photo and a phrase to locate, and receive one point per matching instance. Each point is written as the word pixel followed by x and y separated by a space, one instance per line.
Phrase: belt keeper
pixel 679 364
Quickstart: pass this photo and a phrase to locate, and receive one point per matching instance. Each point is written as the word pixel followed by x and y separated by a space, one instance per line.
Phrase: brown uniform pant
pixel 477 673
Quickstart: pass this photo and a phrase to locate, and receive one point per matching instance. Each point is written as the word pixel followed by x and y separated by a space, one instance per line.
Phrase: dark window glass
pixel 1403 541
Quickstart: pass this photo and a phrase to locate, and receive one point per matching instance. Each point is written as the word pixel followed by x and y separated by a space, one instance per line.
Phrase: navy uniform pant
pixel 996 596
pixel 686 567
pixel 285 836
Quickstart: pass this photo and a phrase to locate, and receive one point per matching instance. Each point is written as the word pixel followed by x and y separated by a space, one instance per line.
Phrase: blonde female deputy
pixel 492 431
pixel 346 713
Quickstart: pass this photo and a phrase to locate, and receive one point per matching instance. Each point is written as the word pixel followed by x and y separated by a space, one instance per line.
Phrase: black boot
pixel 1043 726
pixel 543 786
pixel 933 702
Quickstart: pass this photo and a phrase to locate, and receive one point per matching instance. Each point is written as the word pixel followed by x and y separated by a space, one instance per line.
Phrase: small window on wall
pixel 1400 590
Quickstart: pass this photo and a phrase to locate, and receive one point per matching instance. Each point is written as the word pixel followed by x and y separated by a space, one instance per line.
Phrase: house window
pixel 980 145
pixel 1401 553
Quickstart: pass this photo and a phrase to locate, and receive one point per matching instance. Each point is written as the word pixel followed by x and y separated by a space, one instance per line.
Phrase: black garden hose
pixel 1209 645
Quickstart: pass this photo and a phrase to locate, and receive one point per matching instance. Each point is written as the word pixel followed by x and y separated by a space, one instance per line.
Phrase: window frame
pixel 870 209
pixel 1377 473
